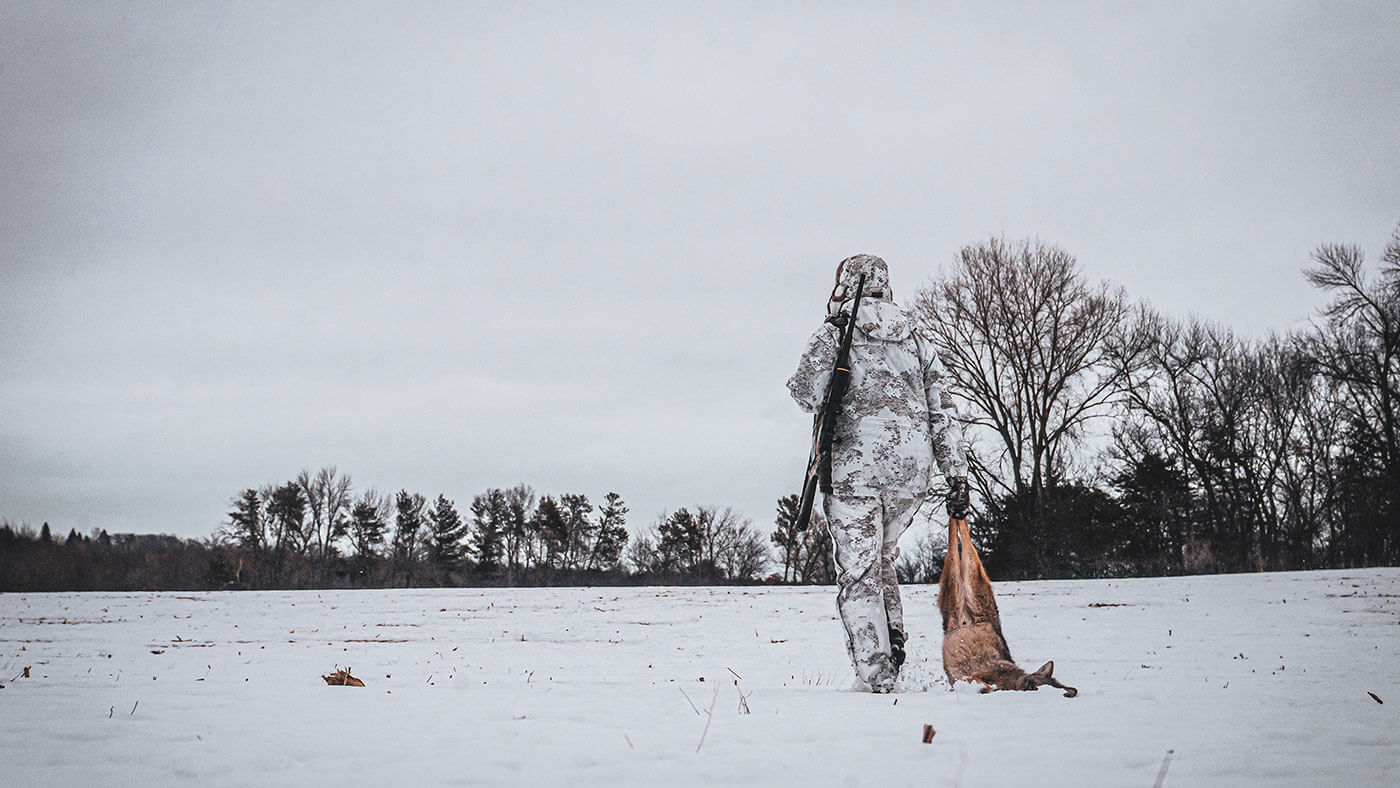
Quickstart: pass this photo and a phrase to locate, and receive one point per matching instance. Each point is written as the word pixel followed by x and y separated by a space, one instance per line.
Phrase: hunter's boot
pixel 896 648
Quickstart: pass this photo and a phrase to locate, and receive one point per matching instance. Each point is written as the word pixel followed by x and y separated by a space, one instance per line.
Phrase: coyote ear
pixel 1045 670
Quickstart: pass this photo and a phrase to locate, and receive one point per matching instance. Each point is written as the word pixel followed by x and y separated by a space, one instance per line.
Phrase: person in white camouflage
pixel 896 422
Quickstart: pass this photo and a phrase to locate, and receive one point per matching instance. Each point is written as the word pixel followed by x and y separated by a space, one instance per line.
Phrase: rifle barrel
pixel 819 465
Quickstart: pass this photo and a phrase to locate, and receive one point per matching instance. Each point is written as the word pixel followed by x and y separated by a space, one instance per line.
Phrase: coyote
pixel 973 647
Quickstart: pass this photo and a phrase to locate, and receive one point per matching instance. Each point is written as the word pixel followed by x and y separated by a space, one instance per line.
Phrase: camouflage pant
pixel 865 532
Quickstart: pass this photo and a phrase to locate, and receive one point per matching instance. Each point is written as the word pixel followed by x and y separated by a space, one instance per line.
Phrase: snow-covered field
pixel 1243 679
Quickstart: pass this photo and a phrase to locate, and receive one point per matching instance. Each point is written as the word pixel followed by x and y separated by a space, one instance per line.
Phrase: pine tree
pixel 246 520
pixel 681 539
pixel 489 515
pixel 408 527
pixel 368 522
pixel 448 537
pixel 578 529
pixel 610 536
pixel 286 509
pixel 520 551
pixel 551 531
pixel 787 537
pixel 806 555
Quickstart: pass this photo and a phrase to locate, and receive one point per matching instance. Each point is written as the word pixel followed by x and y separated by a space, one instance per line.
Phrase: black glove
pixel 958 499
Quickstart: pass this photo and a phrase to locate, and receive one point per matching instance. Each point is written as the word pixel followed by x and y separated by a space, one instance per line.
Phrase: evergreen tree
pixel 680 541
pixel 246 521
pixel 578 529
pixel 286 509
pixel 610 535
pixel 1156 500
pixel 448 538
pixel 368 522
pixel 489 521
pixel 551 531
pixel 787 537
pixel 520 552
pixel 806 555
pixel 408 529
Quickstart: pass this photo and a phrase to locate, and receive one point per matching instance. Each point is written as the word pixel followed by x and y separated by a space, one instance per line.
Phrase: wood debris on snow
pixel 342 678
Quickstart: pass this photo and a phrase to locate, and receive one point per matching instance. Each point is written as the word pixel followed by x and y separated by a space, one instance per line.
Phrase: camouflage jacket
pixel 897 418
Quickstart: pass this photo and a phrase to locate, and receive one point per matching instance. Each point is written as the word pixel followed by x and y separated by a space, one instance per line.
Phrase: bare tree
pixel 709 544
pixel 924 563
pixel 1027 342
pixel 731 545
pixel 1249 425
pixel 1358 348
pixel 328 504
pixel 1306 488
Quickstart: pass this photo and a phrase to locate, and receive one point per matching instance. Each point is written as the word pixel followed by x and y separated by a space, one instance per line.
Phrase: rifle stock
pixel 824 424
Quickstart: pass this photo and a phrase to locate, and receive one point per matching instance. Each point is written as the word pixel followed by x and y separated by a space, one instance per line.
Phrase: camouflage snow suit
pixel 897 420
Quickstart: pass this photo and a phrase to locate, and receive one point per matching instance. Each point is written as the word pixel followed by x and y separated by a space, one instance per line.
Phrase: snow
pixel 1244 679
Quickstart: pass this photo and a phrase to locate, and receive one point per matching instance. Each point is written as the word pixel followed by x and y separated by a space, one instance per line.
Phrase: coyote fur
pixel 973 647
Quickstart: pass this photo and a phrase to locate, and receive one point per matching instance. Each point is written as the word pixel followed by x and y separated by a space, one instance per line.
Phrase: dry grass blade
pixel 710 714
pixel 1162 772
pixel 691 702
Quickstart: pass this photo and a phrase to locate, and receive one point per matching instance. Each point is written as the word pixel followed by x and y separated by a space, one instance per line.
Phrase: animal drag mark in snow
pixel 973 647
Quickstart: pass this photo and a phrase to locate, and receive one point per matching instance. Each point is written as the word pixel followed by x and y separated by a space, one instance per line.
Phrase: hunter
pixel 896 421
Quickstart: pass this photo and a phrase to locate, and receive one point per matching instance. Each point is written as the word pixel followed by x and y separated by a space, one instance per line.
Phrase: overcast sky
pixel 581 245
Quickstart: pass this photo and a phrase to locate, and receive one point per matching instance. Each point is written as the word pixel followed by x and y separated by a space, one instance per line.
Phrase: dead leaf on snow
pixel 342 678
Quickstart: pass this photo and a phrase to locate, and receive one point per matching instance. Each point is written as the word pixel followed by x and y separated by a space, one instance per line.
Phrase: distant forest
pixel 1107 440
pixel 314 532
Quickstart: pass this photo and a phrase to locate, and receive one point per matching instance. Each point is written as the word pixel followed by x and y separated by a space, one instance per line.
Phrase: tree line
pixel 317 531
pixel 1110 439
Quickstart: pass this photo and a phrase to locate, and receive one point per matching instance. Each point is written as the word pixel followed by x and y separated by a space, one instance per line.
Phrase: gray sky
pixel 580 245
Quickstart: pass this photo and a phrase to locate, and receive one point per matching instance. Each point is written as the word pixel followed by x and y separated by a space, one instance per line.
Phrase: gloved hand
pixel 958 498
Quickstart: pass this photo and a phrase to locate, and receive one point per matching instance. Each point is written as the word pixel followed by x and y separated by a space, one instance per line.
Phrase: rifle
pixel 824 423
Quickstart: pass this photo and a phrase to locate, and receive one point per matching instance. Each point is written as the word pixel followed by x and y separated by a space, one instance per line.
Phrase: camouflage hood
pixel 884 320
pixel 848 273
